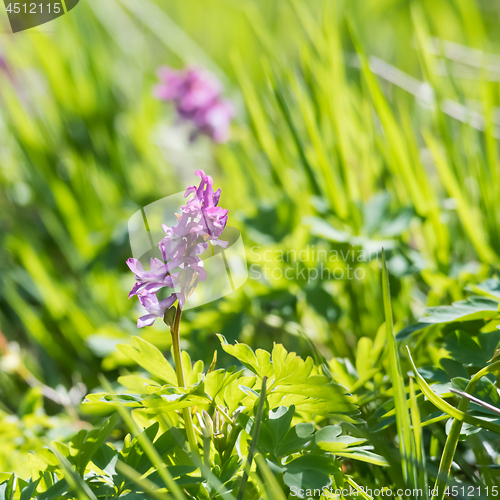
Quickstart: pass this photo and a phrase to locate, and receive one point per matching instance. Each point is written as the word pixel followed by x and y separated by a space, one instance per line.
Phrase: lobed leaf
pixel 150 358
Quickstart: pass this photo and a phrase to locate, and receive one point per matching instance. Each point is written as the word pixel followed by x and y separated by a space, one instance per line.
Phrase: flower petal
pixel 135 266
pixel 146 320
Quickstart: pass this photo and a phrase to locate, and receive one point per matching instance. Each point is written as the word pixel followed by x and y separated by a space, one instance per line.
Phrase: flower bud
pixel 209 428
pixel 205 424
pixel 169 316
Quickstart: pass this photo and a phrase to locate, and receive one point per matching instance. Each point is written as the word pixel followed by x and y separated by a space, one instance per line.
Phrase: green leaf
pixel 174 398
pixel 363 455
pixel 105 458
pixel 294 382
pixel 55 491
pixel 319 395
pixel 295 439
pixel 328 434
pixel 147 446
pixel 409 330
pixel 132 400
pixel 150 358
pixel 309 472
pixel 490 288
pixel 485 391
pixel 28 491
pixel 469 351
pixel 192 372
pixel 241 352
pixel 177 471
pixel 138 384
pixel 464 310
pixel 276 436
pixel 230 468
pixel 288 367
pixel 249 391
pixel 330 439
pixel 275 427
pixel 340 443
pixel 138 459
pixel 92 441
pixel 363 357
pixel 216 381
pixel 7 489
pixel 450 410
pixel 264 363
pixel 452 368
pixel 319 227
pixel 135 454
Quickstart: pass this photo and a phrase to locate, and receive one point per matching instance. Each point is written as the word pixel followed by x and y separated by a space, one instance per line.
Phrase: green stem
pixel 206 451
pixel 454 435
pixel 176 347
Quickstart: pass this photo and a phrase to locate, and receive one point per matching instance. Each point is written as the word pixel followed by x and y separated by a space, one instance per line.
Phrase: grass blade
pixel 400 403
pixel 73 478
pixel 272 488
pixel 418 440
pixel 144 483
pixel 456 413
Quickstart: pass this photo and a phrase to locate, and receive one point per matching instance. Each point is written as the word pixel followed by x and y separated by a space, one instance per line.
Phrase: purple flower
pixel 174 245
pixel 203 204
pixel 195 265
pixel 197 97
pixel 201 89
pixel 177 248
pixel 5 68
pixel 3 63
pixel 156 309
pixel 214 221
pixel 200 223
pixel 172 84
pixel 151 281
pixel 215 120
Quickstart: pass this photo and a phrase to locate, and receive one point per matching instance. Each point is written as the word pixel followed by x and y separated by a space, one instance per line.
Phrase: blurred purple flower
pixel 172 84
pixel 3 63
pixel 5 68
pixel 215 120
pixel 201 222
pixel 197 97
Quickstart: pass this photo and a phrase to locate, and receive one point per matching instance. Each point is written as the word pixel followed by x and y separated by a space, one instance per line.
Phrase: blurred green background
pixel 360 125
